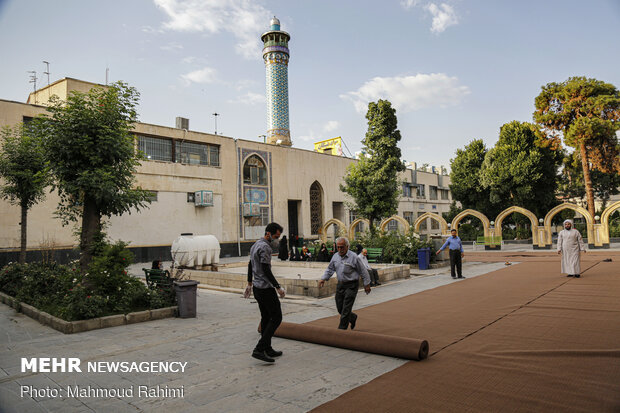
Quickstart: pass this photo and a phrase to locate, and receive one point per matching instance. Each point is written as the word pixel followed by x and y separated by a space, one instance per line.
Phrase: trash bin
pixel 424 257
pixel 186 297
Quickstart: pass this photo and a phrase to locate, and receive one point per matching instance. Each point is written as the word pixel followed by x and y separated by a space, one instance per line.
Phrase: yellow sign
pixel 331 146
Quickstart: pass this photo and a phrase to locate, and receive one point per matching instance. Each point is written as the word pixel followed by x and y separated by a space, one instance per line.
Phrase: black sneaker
pixel 454 277
pixel 262 356
pixel 273 353
pixel 577 275
pixel 569 275
pixel 460 276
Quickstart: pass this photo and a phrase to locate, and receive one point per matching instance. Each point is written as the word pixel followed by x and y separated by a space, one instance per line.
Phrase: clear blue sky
pixel 454 70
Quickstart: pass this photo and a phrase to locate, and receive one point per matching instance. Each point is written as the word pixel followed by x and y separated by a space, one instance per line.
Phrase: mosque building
pixel 203 183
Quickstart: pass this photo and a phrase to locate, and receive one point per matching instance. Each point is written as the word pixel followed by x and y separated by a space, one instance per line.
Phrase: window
pixel 392 225
pixel 264 216
pixel 423 223
pixel 445 194
pixel 408 215
pixel 434 224
pixel 420 192
pixel 406 190
pixel 432 191
pixel 352 215
pixel 254 171
pixel 155 149
pixel 195 153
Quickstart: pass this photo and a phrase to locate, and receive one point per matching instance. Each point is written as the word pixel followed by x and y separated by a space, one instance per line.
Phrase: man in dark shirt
pixel 264 286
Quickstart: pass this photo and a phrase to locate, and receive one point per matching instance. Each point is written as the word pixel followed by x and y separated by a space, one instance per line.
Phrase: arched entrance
pixel 536 238
pixel 316 207
pixel 442 222
pixel 353 226
pixel 554 211
pixel 342 228
pixel 603 229
pixel 401 220
pixel 483 218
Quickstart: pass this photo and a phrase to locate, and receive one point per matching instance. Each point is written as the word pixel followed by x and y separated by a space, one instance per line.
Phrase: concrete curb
pixel 70 327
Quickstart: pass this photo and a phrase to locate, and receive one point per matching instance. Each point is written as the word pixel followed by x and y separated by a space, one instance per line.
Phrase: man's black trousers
pixel 270 315
pixel 456 260
pixel 345 297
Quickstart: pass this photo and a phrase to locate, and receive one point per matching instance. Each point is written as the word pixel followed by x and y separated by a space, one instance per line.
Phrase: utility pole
pixel 215 115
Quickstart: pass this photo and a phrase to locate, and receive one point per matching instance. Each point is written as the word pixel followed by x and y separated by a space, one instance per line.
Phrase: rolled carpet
pixel 406 348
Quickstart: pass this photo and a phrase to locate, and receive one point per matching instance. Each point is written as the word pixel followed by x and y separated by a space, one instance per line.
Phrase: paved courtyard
pixel 220 375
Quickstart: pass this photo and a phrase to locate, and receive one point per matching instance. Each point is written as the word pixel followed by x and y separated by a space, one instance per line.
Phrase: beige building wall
pixel 291 173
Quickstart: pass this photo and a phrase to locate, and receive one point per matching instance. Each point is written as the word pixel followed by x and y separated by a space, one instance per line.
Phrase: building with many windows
pixel 212 184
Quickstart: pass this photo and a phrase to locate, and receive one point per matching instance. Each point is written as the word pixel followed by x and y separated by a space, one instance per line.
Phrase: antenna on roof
pixel 33 79
pixel 107 72
pixel 47 71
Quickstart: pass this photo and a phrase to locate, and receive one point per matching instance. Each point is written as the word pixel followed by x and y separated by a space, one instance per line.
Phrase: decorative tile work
pixel 276 64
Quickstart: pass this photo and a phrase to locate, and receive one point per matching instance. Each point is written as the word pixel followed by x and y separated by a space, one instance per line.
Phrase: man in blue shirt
pixel 456 253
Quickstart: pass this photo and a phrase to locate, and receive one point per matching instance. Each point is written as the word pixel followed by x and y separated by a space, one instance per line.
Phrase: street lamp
pixel 264 138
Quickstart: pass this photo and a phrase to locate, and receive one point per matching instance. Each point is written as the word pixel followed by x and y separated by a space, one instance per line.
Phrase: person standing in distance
pixel 264 286
pixel 569 245
pixel 348 268
pixel 456 254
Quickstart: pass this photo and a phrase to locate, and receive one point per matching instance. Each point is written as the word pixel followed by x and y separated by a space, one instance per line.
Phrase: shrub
pixel 105 289
pixel 397 248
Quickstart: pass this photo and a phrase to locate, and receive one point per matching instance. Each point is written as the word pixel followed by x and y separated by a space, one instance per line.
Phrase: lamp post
pixel 264 138
pixel 215 115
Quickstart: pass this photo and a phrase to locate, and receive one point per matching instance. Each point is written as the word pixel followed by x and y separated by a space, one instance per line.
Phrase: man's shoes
pixel 377 283
pixel 460 276
pixel 262 356
pixel 454 276
pixel 273 353
pixel 372 284
pixel 577 275
pixel 353 321
pixel 569 275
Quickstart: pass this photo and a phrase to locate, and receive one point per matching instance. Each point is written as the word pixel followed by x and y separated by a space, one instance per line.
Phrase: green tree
pixel 465 179
pixel 23 168
pixel 570 181
pixel 586 113
pixel 521 169
pixel 92 157
pixel 372 182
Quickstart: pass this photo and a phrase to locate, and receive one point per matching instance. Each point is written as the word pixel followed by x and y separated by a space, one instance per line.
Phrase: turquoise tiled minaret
pixel 276 56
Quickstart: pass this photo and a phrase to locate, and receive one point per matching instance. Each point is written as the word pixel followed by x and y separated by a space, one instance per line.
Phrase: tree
pixel 521 169
pixel 22 165
pixel 372 182
pixel 92 157
pixel 586 113
pixel 465 180
pixel 570 181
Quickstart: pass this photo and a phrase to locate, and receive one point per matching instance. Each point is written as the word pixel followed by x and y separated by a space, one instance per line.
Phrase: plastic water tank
pixel 195 250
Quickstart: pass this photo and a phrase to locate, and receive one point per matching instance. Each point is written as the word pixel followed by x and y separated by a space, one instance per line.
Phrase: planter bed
pixel 70 327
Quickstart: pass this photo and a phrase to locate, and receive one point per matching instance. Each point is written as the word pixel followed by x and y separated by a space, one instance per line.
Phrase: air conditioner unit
pixel 251 209
pixel 203 198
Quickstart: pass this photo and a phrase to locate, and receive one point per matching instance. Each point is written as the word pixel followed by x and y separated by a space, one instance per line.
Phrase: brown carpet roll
pixel 406 348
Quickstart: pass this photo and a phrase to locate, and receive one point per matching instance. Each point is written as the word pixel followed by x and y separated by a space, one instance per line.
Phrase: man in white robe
pixel 570 244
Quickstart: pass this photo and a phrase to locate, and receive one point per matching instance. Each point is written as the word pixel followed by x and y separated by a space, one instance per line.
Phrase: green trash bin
pixel 186 297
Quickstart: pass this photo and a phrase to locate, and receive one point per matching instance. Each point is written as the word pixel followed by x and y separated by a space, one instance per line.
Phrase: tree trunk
pixel 90 227
pixel 587 180
pixel 24 232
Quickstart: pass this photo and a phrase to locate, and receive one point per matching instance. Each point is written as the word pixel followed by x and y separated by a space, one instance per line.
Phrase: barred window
pixel 408 215
pixel 392 225
pixel 155 149
pixel 264 215
pixel 423 223
pixel 254 171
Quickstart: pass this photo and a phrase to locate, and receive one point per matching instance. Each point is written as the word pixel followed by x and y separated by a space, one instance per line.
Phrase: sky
pixel 455 70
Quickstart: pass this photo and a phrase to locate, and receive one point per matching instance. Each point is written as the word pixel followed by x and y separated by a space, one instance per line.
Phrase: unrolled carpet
pixel 394 346
pixel 521 339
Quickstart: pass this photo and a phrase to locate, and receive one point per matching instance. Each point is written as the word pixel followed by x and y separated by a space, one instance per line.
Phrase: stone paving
pixel 220 375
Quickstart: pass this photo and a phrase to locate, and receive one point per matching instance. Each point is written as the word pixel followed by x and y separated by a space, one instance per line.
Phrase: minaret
pixel 276 55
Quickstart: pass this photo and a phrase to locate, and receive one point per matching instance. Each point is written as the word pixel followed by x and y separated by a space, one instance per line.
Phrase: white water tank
pixel 195 250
